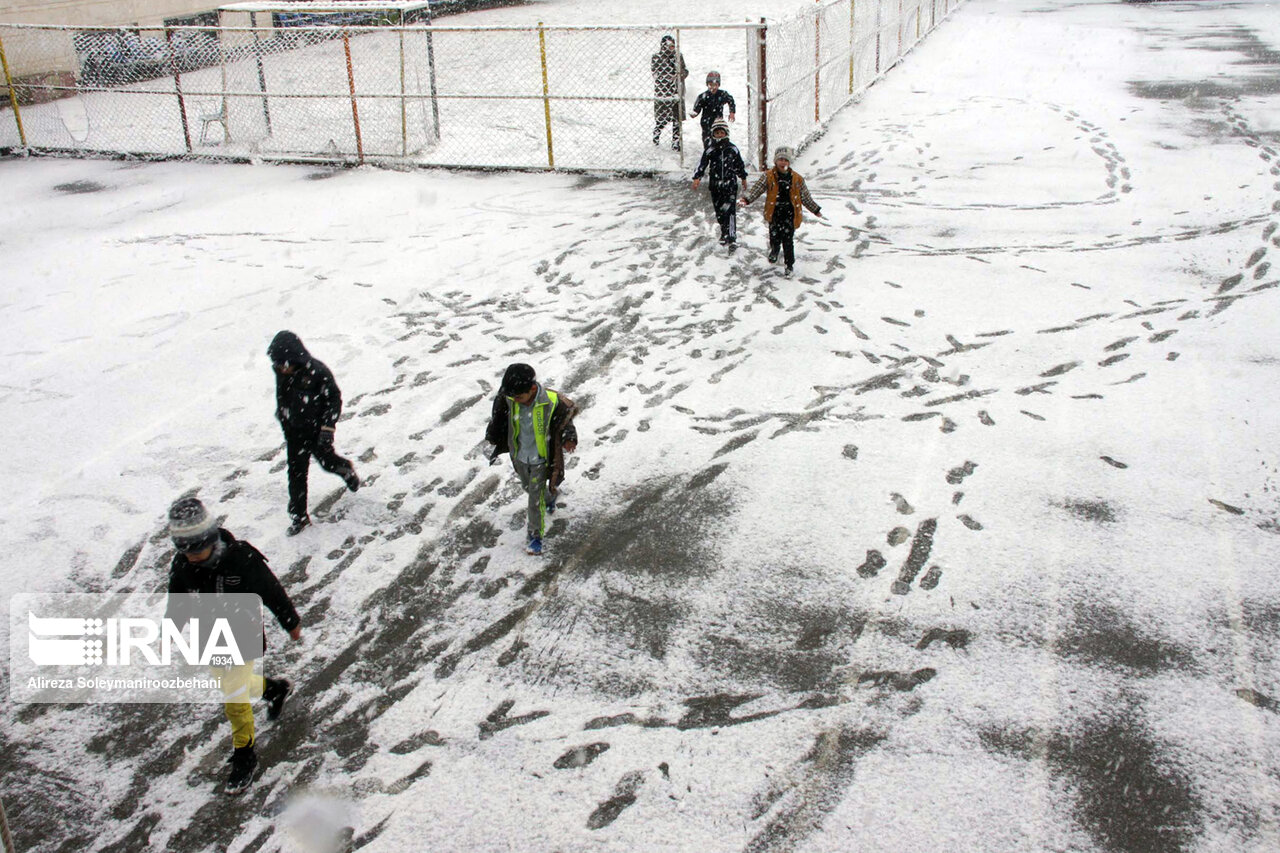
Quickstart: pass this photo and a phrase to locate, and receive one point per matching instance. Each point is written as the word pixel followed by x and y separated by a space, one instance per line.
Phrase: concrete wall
pixel 99 12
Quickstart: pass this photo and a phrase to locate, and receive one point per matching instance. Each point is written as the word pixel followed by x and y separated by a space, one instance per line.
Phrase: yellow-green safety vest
pixel 541 418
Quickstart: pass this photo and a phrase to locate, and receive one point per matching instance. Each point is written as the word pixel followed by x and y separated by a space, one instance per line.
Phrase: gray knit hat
pixel 784 152
pixel 191 527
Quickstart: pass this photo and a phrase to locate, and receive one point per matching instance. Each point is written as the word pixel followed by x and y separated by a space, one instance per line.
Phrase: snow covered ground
pixel 965 538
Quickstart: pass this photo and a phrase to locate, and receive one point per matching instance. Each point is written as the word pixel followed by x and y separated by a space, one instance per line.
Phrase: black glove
pixel 324 438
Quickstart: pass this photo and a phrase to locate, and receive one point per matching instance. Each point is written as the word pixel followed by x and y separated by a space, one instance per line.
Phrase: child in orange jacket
pixel 785 192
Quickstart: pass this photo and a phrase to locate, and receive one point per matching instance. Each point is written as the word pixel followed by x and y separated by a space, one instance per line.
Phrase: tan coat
pixel 768 184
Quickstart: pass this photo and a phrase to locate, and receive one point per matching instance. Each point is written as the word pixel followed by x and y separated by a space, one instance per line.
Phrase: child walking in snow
pixel 308 404
pixel 785 192
pixel 210 561
pixel 724 161
pixel 710 106
pixel 535 425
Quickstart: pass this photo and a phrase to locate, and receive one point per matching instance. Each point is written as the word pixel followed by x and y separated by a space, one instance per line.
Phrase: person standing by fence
pixel 669 73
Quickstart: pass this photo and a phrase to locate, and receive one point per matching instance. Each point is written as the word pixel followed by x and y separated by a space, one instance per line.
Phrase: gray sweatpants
pixel 534 479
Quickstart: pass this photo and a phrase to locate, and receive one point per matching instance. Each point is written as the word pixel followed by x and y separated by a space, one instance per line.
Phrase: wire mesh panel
pixel 583 97
pixel 314 87
pixel 791 63
pixel 756 53
pixel 864 62
pixel 820 59
pixel 834 38
pixel 94 89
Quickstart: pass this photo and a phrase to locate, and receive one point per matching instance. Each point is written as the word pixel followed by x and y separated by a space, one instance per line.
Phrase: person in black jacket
pixel 308 404
pixel 725 164
pixel 710 106
pixel 669 73
pixel 210 561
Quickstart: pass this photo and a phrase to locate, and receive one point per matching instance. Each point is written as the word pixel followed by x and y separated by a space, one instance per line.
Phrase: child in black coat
pixel 724 161
pixel 710 106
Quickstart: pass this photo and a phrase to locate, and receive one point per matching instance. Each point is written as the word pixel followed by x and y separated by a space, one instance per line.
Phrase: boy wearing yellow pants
pixel 211 561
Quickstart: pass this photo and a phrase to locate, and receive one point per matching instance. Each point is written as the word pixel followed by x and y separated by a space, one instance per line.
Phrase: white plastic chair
pixel 216 114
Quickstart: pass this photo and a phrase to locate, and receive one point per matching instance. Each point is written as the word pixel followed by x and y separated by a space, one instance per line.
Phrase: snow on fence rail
pixel 549 97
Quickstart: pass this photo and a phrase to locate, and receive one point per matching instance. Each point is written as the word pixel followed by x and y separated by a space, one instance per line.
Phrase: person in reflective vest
pixel 535 425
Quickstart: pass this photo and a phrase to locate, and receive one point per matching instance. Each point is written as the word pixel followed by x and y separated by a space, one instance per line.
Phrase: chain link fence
pixel 577 97
pixel 823 58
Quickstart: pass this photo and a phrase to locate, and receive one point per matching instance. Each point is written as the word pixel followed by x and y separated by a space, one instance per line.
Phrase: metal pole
pixel 226 107
pixel 13 96
pixel 351 84
pixel 879 27
pixel 262 77
pixel 817 63
pixel 546 91
pixel 679 84
pixel 431 72
pixel 404 111
pixel 5 837
pixel 763 86
pixel 852 41
pixel 177 87
pixel 900 10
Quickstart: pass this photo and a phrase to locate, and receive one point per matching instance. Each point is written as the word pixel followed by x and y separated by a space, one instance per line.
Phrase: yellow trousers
pixel 240 687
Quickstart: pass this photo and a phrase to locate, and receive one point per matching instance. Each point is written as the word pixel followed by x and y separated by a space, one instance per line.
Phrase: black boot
pixel 243 763
pixel 351 479
pixel 274 694
pixel 299 524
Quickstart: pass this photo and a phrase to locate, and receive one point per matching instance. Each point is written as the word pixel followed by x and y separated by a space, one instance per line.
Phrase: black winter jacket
pixel 241 569
pixel 710 106
pixel 308 398
pixel 725 163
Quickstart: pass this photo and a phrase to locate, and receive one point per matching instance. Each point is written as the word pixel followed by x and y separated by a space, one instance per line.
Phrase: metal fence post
pixel 225 104
pixel 5 837
pixel 431 73
pixel 404 110
pixel 351 84
pixel 762 85
pixel 262 77
pixel 853 5
pixel 817 63
pixel 177 87
pixel 879 27
pixel 900 13
pixel 680 93
pixel 546 94
pixel 13 96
